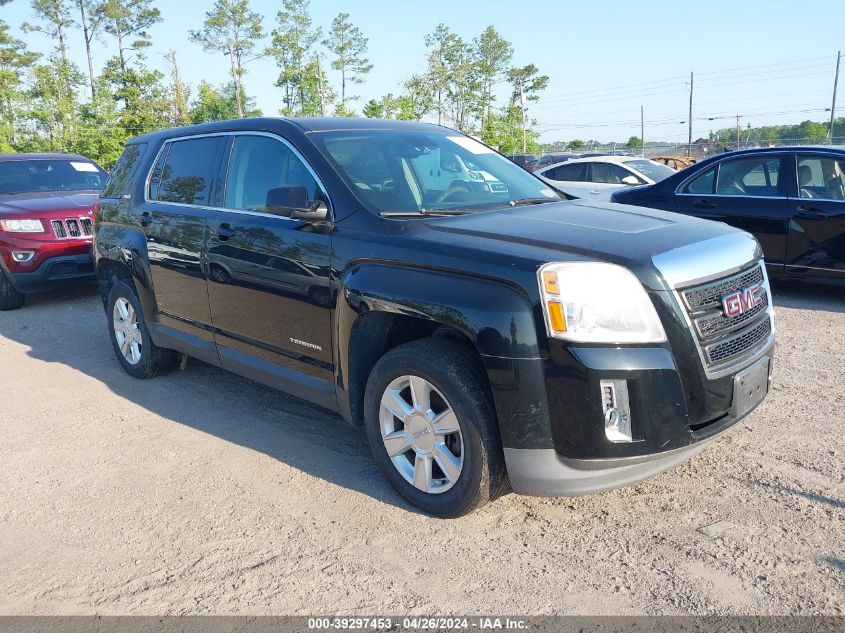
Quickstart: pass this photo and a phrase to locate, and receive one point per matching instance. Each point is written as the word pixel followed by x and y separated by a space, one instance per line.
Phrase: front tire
pixel 432 427
pixel 10 299
pixel 135 350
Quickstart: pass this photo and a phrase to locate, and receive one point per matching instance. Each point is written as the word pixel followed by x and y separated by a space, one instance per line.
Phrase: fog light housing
pixel 23 256
pixel 617 411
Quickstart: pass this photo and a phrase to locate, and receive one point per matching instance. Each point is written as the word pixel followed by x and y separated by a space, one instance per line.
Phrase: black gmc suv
pixel 487 333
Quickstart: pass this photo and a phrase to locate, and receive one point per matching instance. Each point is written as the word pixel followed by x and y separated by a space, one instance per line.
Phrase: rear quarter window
pixel 125 170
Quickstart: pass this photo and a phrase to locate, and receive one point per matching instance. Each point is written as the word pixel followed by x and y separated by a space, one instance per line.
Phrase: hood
pixel 626 235
pixel 45 204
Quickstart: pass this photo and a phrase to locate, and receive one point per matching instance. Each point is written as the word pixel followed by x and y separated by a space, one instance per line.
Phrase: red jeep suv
pixel 46 222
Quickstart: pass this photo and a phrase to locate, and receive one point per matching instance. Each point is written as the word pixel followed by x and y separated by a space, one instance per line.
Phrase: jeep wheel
pixel 432 427
pixel 135 351
pixel 10 299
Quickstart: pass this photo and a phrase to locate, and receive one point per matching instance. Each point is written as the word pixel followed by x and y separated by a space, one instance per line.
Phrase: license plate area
pixel 750 387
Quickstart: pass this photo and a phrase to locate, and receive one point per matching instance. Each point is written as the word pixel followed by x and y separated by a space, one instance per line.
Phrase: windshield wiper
pixel 521 202
pixel 424 212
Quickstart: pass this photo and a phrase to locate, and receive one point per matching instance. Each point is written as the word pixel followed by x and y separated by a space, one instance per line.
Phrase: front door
pixel 173 218
pixel 817 216
pixel 747 192
pixel 269 275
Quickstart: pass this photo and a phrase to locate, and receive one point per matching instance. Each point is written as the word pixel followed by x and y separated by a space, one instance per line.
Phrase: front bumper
pixel 53 272
pixel 544 473
pixel 670 439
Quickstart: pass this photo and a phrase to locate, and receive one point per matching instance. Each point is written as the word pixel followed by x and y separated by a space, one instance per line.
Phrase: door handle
pixel 810 213
pixel 225 231
pixel 146 219
pixel 704 204
pixel 595 192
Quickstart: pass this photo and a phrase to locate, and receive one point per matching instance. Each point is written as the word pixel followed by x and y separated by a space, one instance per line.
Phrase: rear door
pixel 269 275
pixel 817 216
pixel 748 192
pixel 181 190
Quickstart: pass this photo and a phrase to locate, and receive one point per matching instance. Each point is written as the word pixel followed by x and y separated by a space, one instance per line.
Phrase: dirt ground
pixel 201 492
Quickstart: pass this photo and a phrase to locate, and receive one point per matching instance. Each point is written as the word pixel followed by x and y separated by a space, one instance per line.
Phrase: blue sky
pixel 605 59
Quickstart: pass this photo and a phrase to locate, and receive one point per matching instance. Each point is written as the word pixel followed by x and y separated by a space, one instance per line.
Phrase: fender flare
pixel 127 247
pixel 495 317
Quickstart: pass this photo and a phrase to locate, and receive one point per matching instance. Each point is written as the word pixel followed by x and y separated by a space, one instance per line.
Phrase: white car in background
pixel 597 177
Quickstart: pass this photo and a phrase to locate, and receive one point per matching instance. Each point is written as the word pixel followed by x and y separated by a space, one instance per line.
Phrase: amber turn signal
pixel 556 318
pixel 550 282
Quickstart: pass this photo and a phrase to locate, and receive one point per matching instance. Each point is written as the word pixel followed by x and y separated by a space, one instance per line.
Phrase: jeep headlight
pixel 595 302
pixel 22 226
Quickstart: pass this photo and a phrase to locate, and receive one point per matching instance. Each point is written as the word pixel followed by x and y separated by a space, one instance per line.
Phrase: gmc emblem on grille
pixel 742 301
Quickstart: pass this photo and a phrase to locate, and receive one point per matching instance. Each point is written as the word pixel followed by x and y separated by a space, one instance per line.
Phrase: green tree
pixel 494 54
pixel 179 93
pixel 54 21
pixel 373 109
pixel 129 22
pixel 52 104
pixel 292 45
pixel 527 83
pixel 418 98
pixel 100 135
pixel 230 27
pixel 576 144
pixel 213 104
pixel 15 61
pixel 453 72
pixel 91 18
pixel 635 142
pixel 349 47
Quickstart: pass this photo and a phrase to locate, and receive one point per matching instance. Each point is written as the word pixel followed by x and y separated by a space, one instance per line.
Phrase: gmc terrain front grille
pixel 72 228
pixel 725 341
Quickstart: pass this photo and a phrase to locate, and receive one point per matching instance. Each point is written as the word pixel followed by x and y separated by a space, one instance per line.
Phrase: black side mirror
pixel 293 202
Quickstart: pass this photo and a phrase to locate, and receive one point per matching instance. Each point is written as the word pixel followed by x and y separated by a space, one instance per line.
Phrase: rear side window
pixel 702 184
pixel 125 170
pixel 756 176
pixel 576 172
pixel 185 171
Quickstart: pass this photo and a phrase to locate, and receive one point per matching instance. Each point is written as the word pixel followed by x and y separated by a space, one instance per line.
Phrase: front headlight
pixel 594 302
pixel 22 226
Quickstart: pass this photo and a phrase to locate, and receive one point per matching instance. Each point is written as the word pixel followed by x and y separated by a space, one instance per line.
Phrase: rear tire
pixel 428 402
pixel 10 299
pixel 135 350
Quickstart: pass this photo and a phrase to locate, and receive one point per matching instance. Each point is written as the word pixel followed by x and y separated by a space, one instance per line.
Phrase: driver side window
pixel 260 164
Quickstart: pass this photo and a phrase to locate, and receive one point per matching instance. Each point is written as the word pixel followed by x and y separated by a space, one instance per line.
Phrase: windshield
pixel 655 171
pixel 37 175
pixel 414 171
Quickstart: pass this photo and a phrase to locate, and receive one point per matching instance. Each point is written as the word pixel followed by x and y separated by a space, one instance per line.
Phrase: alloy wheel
pixel 422 434
pixel 126 331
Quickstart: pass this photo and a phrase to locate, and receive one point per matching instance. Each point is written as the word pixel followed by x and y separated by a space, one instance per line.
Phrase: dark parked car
pixel 550 159
pixel 524 160
pixel 792 199
pixel 46 222
pixel 487 339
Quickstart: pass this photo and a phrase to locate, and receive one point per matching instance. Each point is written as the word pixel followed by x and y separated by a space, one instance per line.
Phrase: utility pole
pixel 833 103
pixel 642 132
pixel 737 130
pixel 522 102
pixel 689 119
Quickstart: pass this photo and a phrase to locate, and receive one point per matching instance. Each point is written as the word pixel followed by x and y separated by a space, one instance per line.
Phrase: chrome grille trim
pixel 727 345
pixel 73 228
pixel 710 295
pixel 727 349
pixel 59 229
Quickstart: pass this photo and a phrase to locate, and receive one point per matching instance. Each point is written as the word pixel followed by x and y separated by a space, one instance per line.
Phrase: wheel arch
pixel 381 306
pixel 121 254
